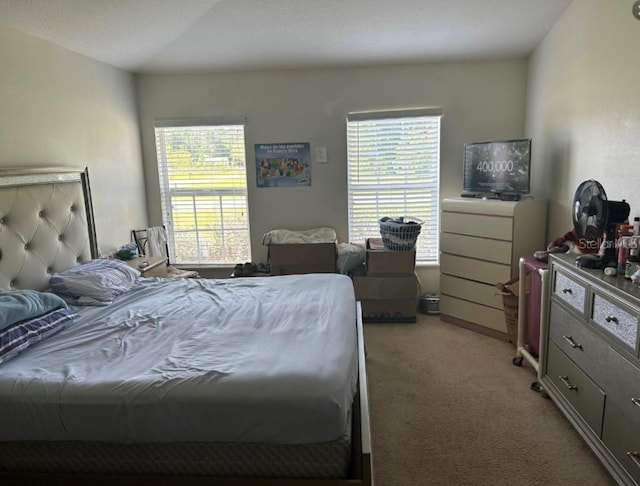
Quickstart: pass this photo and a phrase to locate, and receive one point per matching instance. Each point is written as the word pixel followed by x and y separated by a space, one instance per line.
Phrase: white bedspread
pixel 190 360
pixel 315 235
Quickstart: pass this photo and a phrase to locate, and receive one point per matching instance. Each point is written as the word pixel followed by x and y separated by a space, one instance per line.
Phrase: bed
pixel 228 381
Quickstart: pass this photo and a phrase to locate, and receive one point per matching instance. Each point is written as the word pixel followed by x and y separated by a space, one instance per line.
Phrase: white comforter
pixel 315 235
pixel 186 360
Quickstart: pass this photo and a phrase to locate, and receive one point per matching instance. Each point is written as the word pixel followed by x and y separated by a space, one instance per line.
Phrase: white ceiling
pixel 223 35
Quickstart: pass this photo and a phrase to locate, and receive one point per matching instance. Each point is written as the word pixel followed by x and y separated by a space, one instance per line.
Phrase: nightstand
pixel 149 266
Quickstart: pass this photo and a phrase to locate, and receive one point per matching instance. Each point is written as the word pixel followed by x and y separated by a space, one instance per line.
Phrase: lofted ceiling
pixel 162 36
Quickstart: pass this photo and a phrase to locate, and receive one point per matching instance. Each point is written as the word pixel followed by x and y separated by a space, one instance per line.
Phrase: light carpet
pixel 448 407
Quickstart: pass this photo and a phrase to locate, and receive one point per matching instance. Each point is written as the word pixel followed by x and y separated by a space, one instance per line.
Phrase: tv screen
pixel 501 167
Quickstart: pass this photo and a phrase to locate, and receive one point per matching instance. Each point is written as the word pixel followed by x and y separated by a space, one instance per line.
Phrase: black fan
pixel 590 213
pixel 595 219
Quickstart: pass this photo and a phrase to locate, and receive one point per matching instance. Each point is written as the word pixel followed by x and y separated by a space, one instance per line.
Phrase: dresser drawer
pixel 621 435
pixel 471 312
pixel 471 290
pixel 578 342
pixel 474 247
pixel 496 227
pixel 570 291
pixel 615 318
pixel 487 272
pixel 623 384
pixel 583 394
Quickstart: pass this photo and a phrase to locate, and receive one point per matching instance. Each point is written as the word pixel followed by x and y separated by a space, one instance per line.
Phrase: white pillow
pixel 100 280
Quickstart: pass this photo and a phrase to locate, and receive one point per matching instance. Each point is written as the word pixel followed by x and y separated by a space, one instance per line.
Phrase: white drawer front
pixel 481 248
pixel 470 290
pixel 613 318
pixel 570 291
pixel 471 312
pixel 487 272
pixel 496 227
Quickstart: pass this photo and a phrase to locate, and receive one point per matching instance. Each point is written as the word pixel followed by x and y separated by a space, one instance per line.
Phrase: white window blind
pixel 203 186
pixel 393 171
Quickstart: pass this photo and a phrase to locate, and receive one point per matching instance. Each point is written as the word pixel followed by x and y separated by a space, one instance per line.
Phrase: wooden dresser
pixel 481 242
pixel 590 365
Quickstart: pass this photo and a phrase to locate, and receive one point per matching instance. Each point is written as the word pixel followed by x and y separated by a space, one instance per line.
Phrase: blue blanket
pixel 18 305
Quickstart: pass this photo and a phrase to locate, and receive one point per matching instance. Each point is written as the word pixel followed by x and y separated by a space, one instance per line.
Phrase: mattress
pixel 264 360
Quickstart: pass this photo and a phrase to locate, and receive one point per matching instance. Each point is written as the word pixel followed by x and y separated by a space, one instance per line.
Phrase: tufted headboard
pixel 46 224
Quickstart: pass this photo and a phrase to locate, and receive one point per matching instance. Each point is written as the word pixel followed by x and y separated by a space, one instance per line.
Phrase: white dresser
pixel 481 242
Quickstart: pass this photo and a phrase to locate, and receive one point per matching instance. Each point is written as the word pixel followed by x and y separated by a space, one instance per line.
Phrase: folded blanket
pixel 18 305
pixel 19 336
pixel 315 235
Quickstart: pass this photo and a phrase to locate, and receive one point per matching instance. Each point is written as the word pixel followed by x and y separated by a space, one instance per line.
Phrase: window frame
pixel 167 193
pixel 431 224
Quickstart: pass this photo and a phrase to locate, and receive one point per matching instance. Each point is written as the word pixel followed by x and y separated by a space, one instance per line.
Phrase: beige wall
pixel 483 100
pixel 61 108
pixel 577 98
pixel 583 107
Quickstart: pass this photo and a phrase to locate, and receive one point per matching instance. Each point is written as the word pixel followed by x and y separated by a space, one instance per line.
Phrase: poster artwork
pixel 283 164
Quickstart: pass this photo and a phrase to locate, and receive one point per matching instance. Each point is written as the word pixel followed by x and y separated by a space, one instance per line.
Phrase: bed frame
pixel 46 226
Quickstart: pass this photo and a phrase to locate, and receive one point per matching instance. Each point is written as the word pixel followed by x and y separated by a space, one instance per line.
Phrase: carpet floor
pixel 448 407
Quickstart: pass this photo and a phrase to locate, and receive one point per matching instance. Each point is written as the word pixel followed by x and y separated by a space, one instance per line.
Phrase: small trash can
pixel 430 303
pixel 510 301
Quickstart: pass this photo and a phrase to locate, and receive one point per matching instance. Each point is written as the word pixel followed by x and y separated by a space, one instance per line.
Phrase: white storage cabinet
pixel 481 242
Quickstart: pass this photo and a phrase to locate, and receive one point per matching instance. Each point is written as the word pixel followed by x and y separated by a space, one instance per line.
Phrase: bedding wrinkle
pixel 194 360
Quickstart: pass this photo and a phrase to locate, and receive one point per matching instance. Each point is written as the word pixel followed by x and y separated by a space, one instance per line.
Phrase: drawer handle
pixel 571 342
pixel 567 291
pixel 636 401
pixel 613 319
pixel 567 383
pixel 634 457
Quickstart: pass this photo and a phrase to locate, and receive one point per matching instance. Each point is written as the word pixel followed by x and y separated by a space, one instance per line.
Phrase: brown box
pixel 385 262
pixel 387 298
pixel 400 310
pixel 297 258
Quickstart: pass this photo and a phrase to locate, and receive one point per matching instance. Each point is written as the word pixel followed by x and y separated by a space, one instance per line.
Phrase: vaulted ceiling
pixel 231 35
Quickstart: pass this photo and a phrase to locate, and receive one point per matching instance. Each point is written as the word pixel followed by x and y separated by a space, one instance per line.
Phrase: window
pixel 393 170
pixel 203 190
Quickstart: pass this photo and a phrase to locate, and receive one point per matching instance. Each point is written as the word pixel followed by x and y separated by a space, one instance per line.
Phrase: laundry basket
pixel 400 234
pixel 510 299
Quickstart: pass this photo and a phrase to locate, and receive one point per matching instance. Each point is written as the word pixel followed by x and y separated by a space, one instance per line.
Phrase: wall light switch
pixel 321 154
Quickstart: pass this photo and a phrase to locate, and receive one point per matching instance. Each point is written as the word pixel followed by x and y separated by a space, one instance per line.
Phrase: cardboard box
pixel 384 262
pixel 298 258
pixel 401 310
pixel 387 298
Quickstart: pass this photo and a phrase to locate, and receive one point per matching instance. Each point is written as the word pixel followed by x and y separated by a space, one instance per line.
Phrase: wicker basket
pixel 510 303
pixel 400 234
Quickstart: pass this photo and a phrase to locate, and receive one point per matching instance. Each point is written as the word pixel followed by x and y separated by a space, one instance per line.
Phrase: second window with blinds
pixel 393 163
pixel 203 188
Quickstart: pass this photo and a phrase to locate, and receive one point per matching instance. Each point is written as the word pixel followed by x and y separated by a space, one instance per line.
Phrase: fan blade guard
pixel 590 212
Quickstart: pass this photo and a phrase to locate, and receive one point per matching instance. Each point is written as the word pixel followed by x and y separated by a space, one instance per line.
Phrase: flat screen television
pixel 497 167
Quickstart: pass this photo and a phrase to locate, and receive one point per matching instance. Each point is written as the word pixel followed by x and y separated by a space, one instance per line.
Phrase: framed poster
pixel 283 164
